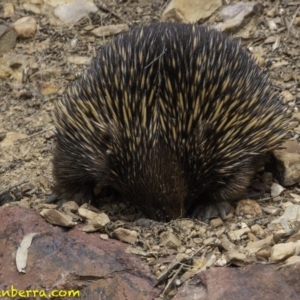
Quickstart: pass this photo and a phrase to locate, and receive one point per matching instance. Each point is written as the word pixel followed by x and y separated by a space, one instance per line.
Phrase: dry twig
pixel 13 186
pixel 35 134
pixel 105 9
pixel 289 26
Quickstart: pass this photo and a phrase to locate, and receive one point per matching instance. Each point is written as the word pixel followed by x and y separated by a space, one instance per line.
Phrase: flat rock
pixel 60 258
pixel 190 11
pixel 253 282
pixel 8 39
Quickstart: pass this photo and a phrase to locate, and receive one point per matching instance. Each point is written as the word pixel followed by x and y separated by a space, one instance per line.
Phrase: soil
pixel 26 104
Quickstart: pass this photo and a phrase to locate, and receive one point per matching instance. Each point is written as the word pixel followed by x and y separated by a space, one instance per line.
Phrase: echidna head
pixel 155 182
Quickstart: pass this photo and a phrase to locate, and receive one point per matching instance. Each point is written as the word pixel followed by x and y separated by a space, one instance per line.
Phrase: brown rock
pixel 237 14
pixel 287 163
pixel 25 27
pixel 291 147
pixel 248 207
pixel 190 11
pixel 216 222
pixel 287 96
pixel 126 235
pixel 8 10
pixel 169 239
pixel 8 39
pixel 296 116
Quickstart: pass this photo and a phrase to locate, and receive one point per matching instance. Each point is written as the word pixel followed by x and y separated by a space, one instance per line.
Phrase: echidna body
pixel 171 116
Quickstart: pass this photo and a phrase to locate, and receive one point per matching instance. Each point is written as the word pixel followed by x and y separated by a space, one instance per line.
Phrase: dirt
pixel 26 104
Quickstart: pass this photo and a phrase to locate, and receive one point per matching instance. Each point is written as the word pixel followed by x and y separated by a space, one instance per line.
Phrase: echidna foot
pixel 55 199
pixel 205 213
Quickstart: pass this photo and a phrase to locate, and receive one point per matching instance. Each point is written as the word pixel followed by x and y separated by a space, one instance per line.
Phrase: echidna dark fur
pixel 171 116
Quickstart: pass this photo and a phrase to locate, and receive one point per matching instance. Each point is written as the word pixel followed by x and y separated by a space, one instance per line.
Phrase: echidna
pixel 172 116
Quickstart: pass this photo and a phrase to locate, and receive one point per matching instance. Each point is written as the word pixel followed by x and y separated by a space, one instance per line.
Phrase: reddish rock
pixel 60 258
pixel 254 282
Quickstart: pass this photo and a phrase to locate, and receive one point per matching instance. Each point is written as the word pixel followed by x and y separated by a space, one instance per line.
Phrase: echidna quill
pixel 172 117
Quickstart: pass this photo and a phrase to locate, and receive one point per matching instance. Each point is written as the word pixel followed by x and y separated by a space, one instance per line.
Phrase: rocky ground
pixel 44 45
